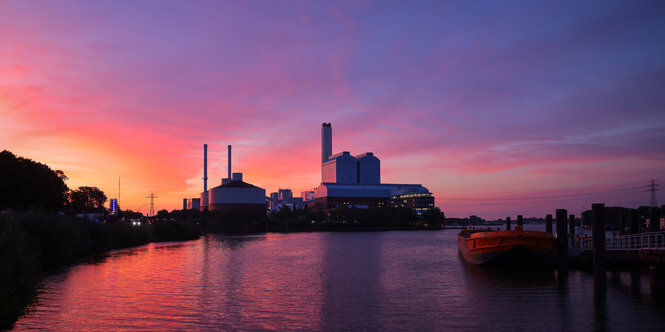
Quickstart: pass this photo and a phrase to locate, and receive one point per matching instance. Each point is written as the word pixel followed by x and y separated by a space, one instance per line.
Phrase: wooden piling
pixel 598 243
pixel 622 223
pixel 571 225
pixel 562 239
pixel 654 220
pixel 634 222
pixel 508 223
pixel 520 221
pixel 657 274
pixel 548 223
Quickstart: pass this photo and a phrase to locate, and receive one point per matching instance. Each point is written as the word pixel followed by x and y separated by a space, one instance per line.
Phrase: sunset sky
pixel 498 108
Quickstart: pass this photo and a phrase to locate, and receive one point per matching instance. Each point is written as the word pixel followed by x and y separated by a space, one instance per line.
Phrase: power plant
pixel 348 180
pixel 232 194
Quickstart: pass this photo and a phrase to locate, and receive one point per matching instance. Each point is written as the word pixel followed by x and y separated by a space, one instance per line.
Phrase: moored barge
pixel 510 247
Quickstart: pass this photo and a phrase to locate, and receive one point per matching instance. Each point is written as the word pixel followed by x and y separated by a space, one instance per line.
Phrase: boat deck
pixel 482 246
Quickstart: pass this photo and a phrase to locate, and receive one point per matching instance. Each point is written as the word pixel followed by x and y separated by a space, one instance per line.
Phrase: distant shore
pixel 348 228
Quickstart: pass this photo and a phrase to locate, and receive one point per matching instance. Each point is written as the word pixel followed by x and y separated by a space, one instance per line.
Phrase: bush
pixel 164 231
pixel 62 240
pixel 19 261
pixel 125 235
pixel 31 243
pixel 175 230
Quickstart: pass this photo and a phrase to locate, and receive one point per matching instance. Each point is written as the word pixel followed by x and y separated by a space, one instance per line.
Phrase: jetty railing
pixel 653 240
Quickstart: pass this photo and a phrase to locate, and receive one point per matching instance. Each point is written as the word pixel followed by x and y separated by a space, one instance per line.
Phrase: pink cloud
pixel 441 94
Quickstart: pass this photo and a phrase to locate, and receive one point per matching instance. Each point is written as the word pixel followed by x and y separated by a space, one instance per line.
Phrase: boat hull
pixel 517 247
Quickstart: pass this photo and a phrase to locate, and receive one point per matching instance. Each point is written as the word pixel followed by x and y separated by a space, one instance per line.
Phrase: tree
pixel 433 217
pixel 26 184
pixel 163 214
pixel 284 214
pixel 86 198
pixel 129 214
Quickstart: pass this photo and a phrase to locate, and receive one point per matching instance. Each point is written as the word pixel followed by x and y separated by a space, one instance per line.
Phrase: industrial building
pixel 307 196
pixel 191 204
pixel 232 194
pixel 284 197
pixel 348 180
pixel 417 198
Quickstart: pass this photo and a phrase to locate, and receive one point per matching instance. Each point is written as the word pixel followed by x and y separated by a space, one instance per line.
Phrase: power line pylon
pixel 152 204
pixel 652 189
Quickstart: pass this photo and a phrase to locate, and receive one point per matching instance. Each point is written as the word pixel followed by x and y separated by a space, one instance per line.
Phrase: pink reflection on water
pixel 184 286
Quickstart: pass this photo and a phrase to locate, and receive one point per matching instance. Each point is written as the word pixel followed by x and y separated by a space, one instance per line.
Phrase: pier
pixel 648 247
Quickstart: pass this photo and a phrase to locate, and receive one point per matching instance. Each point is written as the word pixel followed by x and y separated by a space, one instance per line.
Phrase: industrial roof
pixel 237 184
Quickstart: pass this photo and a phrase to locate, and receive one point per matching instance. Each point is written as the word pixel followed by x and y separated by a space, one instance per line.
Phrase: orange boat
pixel 514 247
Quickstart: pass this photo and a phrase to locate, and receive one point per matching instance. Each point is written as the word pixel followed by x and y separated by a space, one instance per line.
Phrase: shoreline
pixel 36 245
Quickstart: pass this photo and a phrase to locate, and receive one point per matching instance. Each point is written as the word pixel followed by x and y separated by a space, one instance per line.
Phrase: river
pixel 400 280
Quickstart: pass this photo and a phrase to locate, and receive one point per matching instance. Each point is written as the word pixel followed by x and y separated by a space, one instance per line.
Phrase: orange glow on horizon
pixel 116 89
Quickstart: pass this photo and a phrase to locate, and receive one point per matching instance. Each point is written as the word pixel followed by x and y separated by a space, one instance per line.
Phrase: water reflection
pixel 563 300
pixel 351 281
pixel 600 309
pixel 232 242
pixel 257 287
pixel 330 281
pixel 102 258
pixel 509 275
pixel 525 295
pixel 635 281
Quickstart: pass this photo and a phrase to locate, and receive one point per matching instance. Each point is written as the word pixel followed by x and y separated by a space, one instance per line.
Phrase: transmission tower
pixel 152 204
pixel 653 188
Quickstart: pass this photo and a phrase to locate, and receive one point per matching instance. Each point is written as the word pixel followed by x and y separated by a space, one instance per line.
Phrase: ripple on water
pixel 328 281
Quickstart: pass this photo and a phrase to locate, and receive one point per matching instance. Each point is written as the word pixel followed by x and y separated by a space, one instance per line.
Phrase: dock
pixel 647 247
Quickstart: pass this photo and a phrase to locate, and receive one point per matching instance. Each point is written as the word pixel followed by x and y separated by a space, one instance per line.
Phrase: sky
pixel 498 107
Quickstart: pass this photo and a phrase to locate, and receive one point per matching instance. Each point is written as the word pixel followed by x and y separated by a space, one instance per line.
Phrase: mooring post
pixel 654 220
pixel 634 222
pixel 598 239
pixel 562 239
pixel 622 223
pixel 520 221
pixel 548 223
pixel 507 223
pixel 657 282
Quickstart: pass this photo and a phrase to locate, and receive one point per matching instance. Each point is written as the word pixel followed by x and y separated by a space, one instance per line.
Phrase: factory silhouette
pixel 346 181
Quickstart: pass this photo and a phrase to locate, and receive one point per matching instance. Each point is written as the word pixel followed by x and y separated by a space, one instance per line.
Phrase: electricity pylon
pixel 652 189
pixel 152 204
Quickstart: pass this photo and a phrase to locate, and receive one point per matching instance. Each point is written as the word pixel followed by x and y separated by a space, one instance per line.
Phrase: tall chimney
pixel 326 142
pixel 205 167
pixel 229 177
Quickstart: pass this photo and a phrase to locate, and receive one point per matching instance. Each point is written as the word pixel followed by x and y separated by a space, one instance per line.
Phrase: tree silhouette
pixel 86 198
pixel 27 185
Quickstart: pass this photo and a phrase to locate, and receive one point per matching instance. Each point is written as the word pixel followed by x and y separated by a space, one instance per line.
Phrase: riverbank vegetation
pixel 34 243
pixel 354 219
pixel 288 220
pixel 39 230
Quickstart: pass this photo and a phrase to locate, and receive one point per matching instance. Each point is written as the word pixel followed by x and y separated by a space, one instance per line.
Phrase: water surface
pixel 413 280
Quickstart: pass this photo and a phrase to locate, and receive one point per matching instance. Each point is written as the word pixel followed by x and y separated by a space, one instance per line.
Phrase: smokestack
pixel 229 163
pixel 326 142
pixel 205 167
